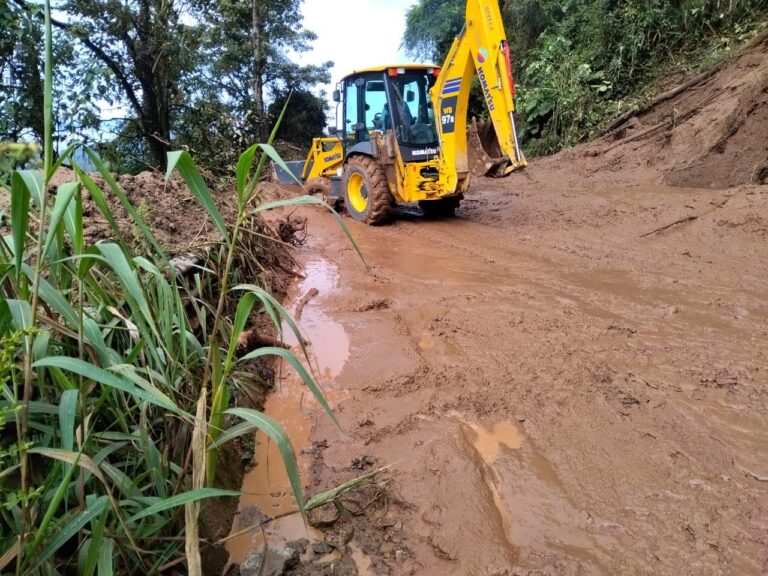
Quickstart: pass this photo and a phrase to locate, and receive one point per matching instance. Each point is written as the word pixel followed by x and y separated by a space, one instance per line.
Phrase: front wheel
pixel 366 191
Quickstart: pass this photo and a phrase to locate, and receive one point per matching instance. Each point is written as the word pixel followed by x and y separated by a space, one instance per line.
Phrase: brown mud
pixel 561 381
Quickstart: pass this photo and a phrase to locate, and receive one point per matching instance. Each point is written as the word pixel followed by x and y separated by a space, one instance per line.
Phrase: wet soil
pixel 561 381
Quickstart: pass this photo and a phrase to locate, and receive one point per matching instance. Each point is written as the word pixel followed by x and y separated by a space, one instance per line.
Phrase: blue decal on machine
pixel 452 86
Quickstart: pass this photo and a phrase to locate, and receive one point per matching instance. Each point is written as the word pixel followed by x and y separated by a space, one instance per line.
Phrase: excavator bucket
pixel 485 155
pixel 296 168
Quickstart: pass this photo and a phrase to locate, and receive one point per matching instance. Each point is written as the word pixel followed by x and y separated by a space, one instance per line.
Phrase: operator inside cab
pixel 395 99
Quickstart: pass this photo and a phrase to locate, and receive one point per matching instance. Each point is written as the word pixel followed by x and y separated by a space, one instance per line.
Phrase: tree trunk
pixel 258 68
pixel 152 73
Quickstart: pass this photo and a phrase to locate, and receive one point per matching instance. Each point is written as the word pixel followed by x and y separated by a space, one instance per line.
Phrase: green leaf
pixel 234 432
pixel 276 433
pixel 98 197
pixel 244 167
pixel 54 298
pixel 19 218
pixel 121 196
pixel 71 528
pixel 21 313
pixel 106 555
pixel 300 370
pixel 183 162
pixel 244 309
pixel 82 368
pixel 275 157
pixel 33 179
pixel 67 417
pixel 117 260
pixel 63 198
pixel 181 500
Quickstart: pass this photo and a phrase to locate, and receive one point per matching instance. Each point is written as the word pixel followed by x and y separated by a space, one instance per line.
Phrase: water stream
pixel 266 487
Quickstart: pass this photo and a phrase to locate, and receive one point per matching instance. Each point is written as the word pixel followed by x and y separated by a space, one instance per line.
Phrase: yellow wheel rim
pixel 357 192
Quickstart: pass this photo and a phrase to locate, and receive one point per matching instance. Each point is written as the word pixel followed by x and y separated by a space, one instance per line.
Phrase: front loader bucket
pixel 296 168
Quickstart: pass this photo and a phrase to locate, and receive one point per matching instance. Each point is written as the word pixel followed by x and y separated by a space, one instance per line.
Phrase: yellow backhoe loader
pixel 405 137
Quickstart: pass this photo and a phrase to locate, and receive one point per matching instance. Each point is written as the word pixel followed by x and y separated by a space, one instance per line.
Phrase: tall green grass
pixel 113 400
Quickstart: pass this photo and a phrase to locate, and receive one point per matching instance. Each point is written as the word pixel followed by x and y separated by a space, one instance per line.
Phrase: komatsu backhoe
pixel 404 135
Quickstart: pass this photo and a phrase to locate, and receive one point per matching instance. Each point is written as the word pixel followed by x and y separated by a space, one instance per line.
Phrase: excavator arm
pixel 481 49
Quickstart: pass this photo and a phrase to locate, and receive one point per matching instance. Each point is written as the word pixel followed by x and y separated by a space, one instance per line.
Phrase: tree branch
pixel 104 57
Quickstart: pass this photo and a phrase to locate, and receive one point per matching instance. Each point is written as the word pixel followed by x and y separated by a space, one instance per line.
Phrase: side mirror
pixel 337 95
pixel 332 130
pixel 410 96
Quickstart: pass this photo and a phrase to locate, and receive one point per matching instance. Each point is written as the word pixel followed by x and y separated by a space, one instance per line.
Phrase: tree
pixel 250 42
pixel 304 119
pixel 21 86
pixel 431 26
pixel 146 49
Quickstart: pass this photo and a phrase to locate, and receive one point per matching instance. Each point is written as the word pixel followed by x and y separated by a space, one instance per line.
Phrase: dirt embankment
pixel 571 377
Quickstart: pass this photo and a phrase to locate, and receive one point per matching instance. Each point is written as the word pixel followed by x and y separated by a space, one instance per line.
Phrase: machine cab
pixel 391 99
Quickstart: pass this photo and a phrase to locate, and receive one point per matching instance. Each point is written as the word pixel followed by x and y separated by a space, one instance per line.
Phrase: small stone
pixel 671 311
pixel 340 535
pixel 279 560
pixel 399 556
pixel 321 548
pixel 252 565
pixel 324 516
pixel 299 545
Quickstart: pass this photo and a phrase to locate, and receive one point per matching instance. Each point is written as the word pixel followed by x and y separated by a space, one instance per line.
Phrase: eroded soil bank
pixel 561 382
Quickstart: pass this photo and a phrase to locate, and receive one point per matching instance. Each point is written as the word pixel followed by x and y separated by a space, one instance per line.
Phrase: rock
pixel 340 535
pixel 252 565
pixel 299 545
pixel 399 556
pixel 671 311
pixel 321 548
pixel 326 515
pixel 363 462
pixel 277 562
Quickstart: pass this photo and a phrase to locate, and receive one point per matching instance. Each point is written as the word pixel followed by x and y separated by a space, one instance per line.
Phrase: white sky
pixel 355 34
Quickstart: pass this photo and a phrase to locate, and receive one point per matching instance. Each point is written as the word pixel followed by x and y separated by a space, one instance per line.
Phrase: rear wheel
pixel 442 208
pixel 366 191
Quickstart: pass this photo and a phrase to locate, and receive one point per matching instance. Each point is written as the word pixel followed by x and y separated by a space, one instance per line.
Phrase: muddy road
pixel 570 377
pixel 555 393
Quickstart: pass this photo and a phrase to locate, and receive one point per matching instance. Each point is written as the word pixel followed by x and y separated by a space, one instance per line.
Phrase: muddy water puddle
pixel 266 487
pixel 533 505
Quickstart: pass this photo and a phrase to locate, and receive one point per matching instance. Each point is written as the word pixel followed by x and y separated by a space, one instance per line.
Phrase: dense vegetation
pixel 581 63
pixel 118 365
pixel 148 76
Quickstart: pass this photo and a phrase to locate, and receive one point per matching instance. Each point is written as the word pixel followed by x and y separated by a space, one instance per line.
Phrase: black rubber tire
pixel 443 208
pixel 378 208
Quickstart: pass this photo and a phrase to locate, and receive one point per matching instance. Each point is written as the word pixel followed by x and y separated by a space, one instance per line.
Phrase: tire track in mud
pixel 590 359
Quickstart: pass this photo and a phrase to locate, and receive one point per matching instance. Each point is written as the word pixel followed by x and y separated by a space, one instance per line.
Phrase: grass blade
pixel 19 218
pixel 81 368
pixel 183 162
pixel 67 416
pixel 276 433
pixel 106 564
pixel 311 200
pixel 181 500
pixel 72 527
pixel 123 199
pixel 301 371
pixel 60 205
